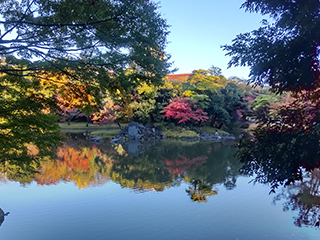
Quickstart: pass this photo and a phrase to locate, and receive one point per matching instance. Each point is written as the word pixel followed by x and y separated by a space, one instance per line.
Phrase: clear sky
pixel 200 27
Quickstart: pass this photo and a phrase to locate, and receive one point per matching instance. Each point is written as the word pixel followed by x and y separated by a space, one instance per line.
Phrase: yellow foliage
pixel 189 93
pixel 145 88
pixel 120 150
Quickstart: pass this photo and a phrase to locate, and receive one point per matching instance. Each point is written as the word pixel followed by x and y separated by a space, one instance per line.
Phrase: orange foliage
pixel 108 114
pixel 53 173
pixel 75 159
pixel 68 93
pixel 67 167
pixel 32 149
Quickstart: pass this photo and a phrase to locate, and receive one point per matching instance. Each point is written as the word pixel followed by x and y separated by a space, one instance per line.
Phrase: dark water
pixel 159 190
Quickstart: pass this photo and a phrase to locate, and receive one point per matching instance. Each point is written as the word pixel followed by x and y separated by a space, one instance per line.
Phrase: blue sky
pixel 200 27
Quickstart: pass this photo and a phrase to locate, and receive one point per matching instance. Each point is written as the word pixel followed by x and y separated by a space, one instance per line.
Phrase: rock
pixel 96 139
pixel 138 137
pixel 133 129
pixel 117 140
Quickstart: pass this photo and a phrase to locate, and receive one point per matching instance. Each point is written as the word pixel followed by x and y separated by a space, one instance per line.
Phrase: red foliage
pixel 181 108
pixel 182 164
pixel 297 112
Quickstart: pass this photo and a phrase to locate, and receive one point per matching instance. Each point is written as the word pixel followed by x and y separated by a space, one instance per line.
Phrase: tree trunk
pixel 119 125
pixel 87 125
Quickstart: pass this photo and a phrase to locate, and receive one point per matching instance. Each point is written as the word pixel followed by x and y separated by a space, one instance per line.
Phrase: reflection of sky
pixel 110 212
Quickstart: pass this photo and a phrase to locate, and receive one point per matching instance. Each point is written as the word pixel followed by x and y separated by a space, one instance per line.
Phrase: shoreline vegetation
pixel 110 131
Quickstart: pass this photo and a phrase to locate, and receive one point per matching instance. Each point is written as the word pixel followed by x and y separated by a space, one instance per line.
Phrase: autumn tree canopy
pixel 86 46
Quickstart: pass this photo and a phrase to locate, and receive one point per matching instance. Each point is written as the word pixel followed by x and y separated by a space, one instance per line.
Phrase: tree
pixel 284 53
pixel 223 105
pixel 181 108
pixel 90 43
pixel 89 40
pixel 25 123
pixel 207 79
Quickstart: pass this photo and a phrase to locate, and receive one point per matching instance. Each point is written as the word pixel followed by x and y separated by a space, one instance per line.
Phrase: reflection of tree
pixel 180 165
pixel 306 200
pixel 206 164
pixel 23 173
pixel 143 173
pixel 200 190
pixel 87 164
pixel 168 165
pixel 220 167
pixel 279 158
pixel 53 173
pixel 291 159
pixel 78 160
pixel 84 166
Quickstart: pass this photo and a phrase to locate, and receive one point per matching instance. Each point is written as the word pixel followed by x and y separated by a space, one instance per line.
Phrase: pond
pixel 157 190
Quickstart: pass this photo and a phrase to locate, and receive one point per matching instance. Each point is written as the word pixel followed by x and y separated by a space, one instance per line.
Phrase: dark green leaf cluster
pixel 27 134
pixel 86 39
pixel 285 53
pixel 223 104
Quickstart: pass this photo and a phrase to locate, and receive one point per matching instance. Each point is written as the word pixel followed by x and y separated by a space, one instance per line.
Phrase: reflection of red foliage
pixel 181 165
pixel 74 159
pixel 181 109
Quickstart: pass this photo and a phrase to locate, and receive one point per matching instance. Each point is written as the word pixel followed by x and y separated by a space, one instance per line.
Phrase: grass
pixel 105 133
pixel 178 132
pixel 82 125
pixel 79 127
pixel 112 130
pixel 212 130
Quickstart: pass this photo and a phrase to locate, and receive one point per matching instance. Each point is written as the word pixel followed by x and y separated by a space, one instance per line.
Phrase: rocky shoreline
pixel 139 133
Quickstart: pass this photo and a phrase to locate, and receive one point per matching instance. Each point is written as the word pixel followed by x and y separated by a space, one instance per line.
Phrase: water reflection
pixel 279 159
pixel 290 160
pixel 155 166
pixel 200 190
pixel 2 215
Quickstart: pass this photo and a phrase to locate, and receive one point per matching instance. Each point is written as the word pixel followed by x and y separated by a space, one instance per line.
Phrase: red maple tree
pixel 181 108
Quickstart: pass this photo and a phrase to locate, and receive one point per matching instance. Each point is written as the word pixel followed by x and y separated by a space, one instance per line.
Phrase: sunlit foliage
pixel 183 110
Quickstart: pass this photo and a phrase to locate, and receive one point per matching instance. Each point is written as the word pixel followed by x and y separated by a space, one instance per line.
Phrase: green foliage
pixel 180 132
pixel 27 134
pixel 263 101
pixel 223 105
pixel 285 53
pixel 75 51
pixel 87 41
pixel 144 102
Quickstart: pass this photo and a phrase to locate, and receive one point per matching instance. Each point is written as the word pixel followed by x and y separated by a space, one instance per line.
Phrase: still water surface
pixel 168 190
